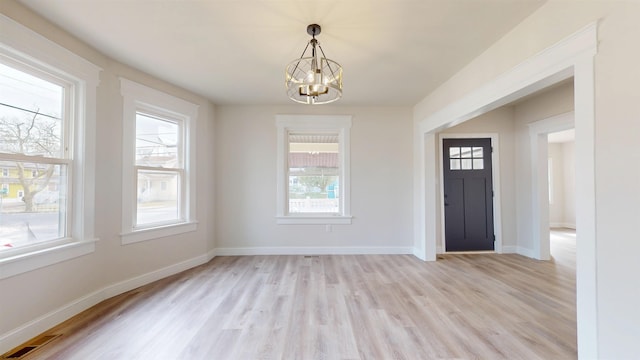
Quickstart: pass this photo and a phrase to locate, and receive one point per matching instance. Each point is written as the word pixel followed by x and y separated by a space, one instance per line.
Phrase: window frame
pixel 30 52
pixel 313 124
pixel 139 98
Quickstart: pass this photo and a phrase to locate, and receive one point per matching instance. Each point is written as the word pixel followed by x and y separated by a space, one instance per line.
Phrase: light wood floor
pixel 339 307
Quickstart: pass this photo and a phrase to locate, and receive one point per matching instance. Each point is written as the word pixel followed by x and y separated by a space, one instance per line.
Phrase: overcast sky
pixel 29 92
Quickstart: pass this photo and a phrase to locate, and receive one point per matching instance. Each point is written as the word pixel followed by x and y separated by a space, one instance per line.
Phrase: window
pixel 313 169
pixel 47 117
pixel 466 158
pixel 33 137
pixel 159 174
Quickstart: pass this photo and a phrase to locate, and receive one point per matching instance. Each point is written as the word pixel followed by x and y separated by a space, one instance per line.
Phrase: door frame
pixel 538 132
pixel 495 178
pixel 571 56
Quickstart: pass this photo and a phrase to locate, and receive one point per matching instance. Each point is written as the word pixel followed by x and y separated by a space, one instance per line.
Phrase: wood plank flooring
pixel 485 306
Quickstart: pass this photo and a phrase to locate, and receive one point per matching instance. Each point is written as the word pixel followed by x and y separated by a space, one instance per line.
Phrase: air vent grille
pixel 28 347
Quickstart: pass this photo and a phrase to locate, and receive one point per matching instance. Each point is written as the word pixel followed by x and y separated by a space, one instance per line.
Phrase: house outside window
pixel 158 159
pixel 313 169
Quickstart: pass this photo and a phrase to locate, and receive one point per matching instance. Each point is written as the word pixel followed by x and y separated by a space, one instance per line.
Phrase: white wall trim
pixel 562 225
pixel 45 257
pixel 315 250
pixel 140 97
pixel 514 249
pixel 312 123
pixel 573 55
pixel 41 324
pixel 21 44
pixel 539 145
pixel 495 178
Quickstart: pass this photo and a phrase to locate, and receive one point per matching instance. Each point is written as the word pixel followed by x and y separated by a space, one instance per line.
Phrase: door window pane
pixel 477 152
pixel 465 152
pixel 466 158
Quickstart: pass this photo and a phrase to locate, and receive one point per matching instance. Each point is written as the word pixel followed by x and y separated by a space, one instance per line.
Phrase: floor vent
pixel 29 347
pixel 21 352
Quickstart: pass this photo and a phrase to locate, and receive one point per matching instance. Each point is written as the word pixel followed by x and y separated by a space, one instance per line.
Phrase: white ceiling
pixel 394 52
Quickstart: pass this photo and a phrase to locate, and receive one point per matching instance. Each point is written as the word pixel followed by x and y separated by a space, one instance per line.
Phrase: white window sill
pixel 313 220
pixel 21 263
pixel 158 232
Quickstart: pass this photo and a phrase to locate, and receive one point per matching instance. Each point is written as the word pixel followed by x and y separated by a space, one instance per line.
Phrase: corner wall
pixel 34 301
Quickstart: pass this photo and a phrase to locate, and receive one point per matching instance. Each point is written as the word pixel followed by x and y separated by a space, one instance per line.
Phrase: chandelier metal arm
pixel 301 56
pixel 328 63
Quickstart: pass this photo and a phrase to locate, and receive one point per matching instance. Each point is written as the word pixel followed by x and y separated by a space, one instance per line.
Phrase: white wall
pixel 381 183
pixel 48 295
pixel 562 211
pixel 556 186
pixel 616 134
pixel 569 184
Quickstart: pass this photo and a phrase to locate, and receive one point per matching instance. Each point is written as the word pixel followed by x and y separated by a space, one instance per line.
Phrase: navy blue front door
pixel 468 194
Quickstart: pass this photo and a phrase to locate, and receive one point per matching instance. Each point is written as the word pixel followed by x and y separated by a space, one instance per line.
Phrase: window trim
pixel 141 98
pixel 310 123
pixel 28 48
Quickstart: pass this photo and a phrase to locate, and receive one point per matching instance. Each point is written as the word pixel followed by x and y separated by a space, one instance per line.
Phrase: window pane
pixel 303 199
pixel 157 197
pixel 466 164
pixel 477 153
pixel 478 164
pixel 32 208
pixel 465 152
pixel 454 164
pixel 314 173
pixel 157 142
pixel 454 152
pixel 30 114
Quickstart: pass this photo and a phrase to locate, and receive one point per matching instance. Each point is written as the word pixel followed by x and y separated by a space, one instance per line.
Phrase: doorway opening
pixel 561 189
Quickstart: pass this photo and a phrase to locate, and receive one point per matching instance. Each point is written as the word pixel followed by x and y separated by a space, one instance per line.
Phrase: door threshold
pixel 470 252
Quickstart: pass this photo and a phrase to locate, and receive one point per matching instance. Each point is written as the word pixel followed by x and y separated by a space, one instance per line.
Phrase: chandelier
pixel 314 79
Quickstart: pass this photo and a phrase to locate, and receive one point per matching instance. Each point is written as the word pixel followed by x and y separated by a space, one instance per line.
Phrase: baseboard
pixel 563 225
pixel 525 252
pixel 136 282
pixel 17 336
pixel 343 250
pixel 510 249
